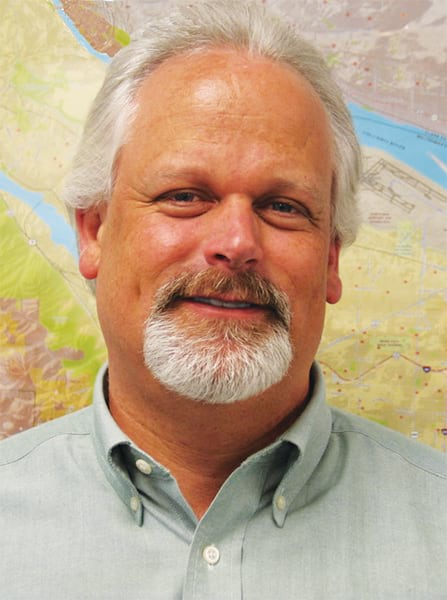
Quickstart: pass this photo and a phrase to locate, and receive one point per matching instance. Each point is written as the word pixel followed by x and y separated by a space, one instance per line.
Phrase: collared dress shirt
pixel 337 508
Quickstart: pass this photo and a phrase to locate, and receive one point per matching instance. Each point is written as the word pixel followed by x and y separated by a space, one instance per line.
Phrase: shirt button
pixel 211 554
pixel 134 503
pixel 143 466
pixel 280 503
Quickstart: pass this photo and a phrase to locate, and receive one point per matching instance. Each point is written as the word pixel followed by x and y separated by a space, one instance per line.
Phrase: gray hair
pixel 237 24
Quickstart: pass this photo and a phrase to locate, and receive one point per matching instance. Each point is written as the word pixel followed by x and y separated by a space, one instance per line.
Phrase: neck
pixel 201 444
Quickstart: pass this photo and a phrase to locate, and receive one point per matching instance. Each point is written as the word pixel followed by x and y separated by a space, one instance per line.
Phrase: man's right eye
pixel 182 197
pixel 184 203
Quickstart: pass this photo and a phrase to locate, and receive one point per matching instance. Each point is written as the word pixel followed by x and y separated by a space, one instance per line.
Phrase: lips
pixel 222 303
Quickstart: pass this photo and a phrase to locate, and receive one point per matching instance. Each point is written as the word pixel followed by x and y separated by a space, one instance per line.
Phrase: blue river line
pixel 409 144
pixel 61 231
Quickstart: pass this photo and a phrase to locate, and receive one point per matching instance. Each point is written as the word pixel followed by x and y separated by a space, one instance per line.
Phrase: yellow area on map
pixel 48 81
pixel 389 325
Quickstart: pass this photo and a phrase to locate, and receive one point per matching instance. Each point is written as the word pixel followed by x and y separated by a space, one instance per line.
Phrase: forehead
pixel 226 87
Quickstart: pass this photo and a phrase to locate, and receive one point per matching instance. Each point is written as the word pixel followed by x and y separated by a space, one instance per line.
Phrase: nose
pixel 233 241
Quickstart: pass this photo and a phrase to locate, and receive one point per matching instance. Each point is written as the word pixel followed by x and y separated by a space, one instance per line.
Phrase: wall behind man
pixel 384 348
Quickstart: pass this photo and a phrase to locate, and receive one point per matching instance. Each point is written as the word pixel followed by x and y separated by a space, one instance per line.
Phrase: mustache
pixel 247 287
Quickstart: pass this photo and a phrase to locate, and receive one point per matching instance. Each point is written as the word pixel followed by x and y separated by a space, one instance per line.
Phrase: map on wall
pixel 384 351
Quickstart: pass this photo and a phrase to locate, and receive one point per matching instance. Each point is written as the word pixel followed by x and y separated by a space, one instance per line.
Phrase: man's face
pixel 227 170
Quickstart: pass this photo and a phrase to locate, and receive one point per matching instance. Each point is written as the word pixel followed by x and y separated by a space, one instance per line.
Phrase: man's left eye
pixel 285 213
pixel 283 207
pixel 184 196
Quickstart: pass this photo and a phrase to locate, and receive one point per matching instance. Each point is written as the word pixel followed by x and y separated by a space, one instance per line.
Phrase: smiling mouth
pixel 243 296
pixel 222 303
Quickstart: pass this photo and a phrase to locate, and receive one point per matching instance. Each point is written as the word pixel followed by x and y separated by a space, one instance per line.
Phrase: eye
pixel 283 207
pixel 184 203
pixel 285 213
pixel 183 197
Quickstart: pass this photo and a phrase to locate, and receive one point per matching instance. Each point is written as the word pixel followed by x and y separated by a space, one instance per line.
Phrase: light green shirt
pixel 337 508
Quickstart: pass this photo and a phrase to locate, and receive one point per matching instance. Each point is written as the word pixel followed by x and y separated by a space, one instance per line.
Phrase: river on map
pixel 61 231
pixel 417 148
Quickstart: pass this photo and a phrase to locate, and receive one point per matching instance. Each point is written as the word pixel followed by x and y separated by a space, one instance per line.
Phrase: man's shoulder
pixel 382 443
pixel 20 445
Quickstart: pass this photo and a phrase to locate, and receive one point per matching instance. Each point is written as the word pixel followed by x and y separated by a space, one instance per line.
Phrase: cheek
pixel 156 249
pixel 164 241
pixel 306 286
pixel 308 307
pixel 303 261
pixel 138 234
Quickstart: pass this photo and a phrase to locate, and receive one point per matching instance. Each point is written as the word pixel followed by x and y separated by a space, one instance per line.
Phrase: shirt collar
pixel 309 435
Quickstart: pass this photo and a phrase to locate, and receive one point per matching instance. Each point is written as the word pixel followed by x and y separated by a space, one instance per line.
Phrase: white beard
pixel 215 361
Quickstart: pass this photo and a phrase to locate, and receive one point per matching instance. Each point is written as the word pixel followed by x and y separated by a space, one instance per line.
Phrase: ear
pixel 334 284
pixel 89 223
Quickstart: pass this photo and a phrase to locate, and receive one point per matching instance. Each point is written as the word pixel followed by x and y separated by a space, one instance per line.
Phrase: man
pixel 213 189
